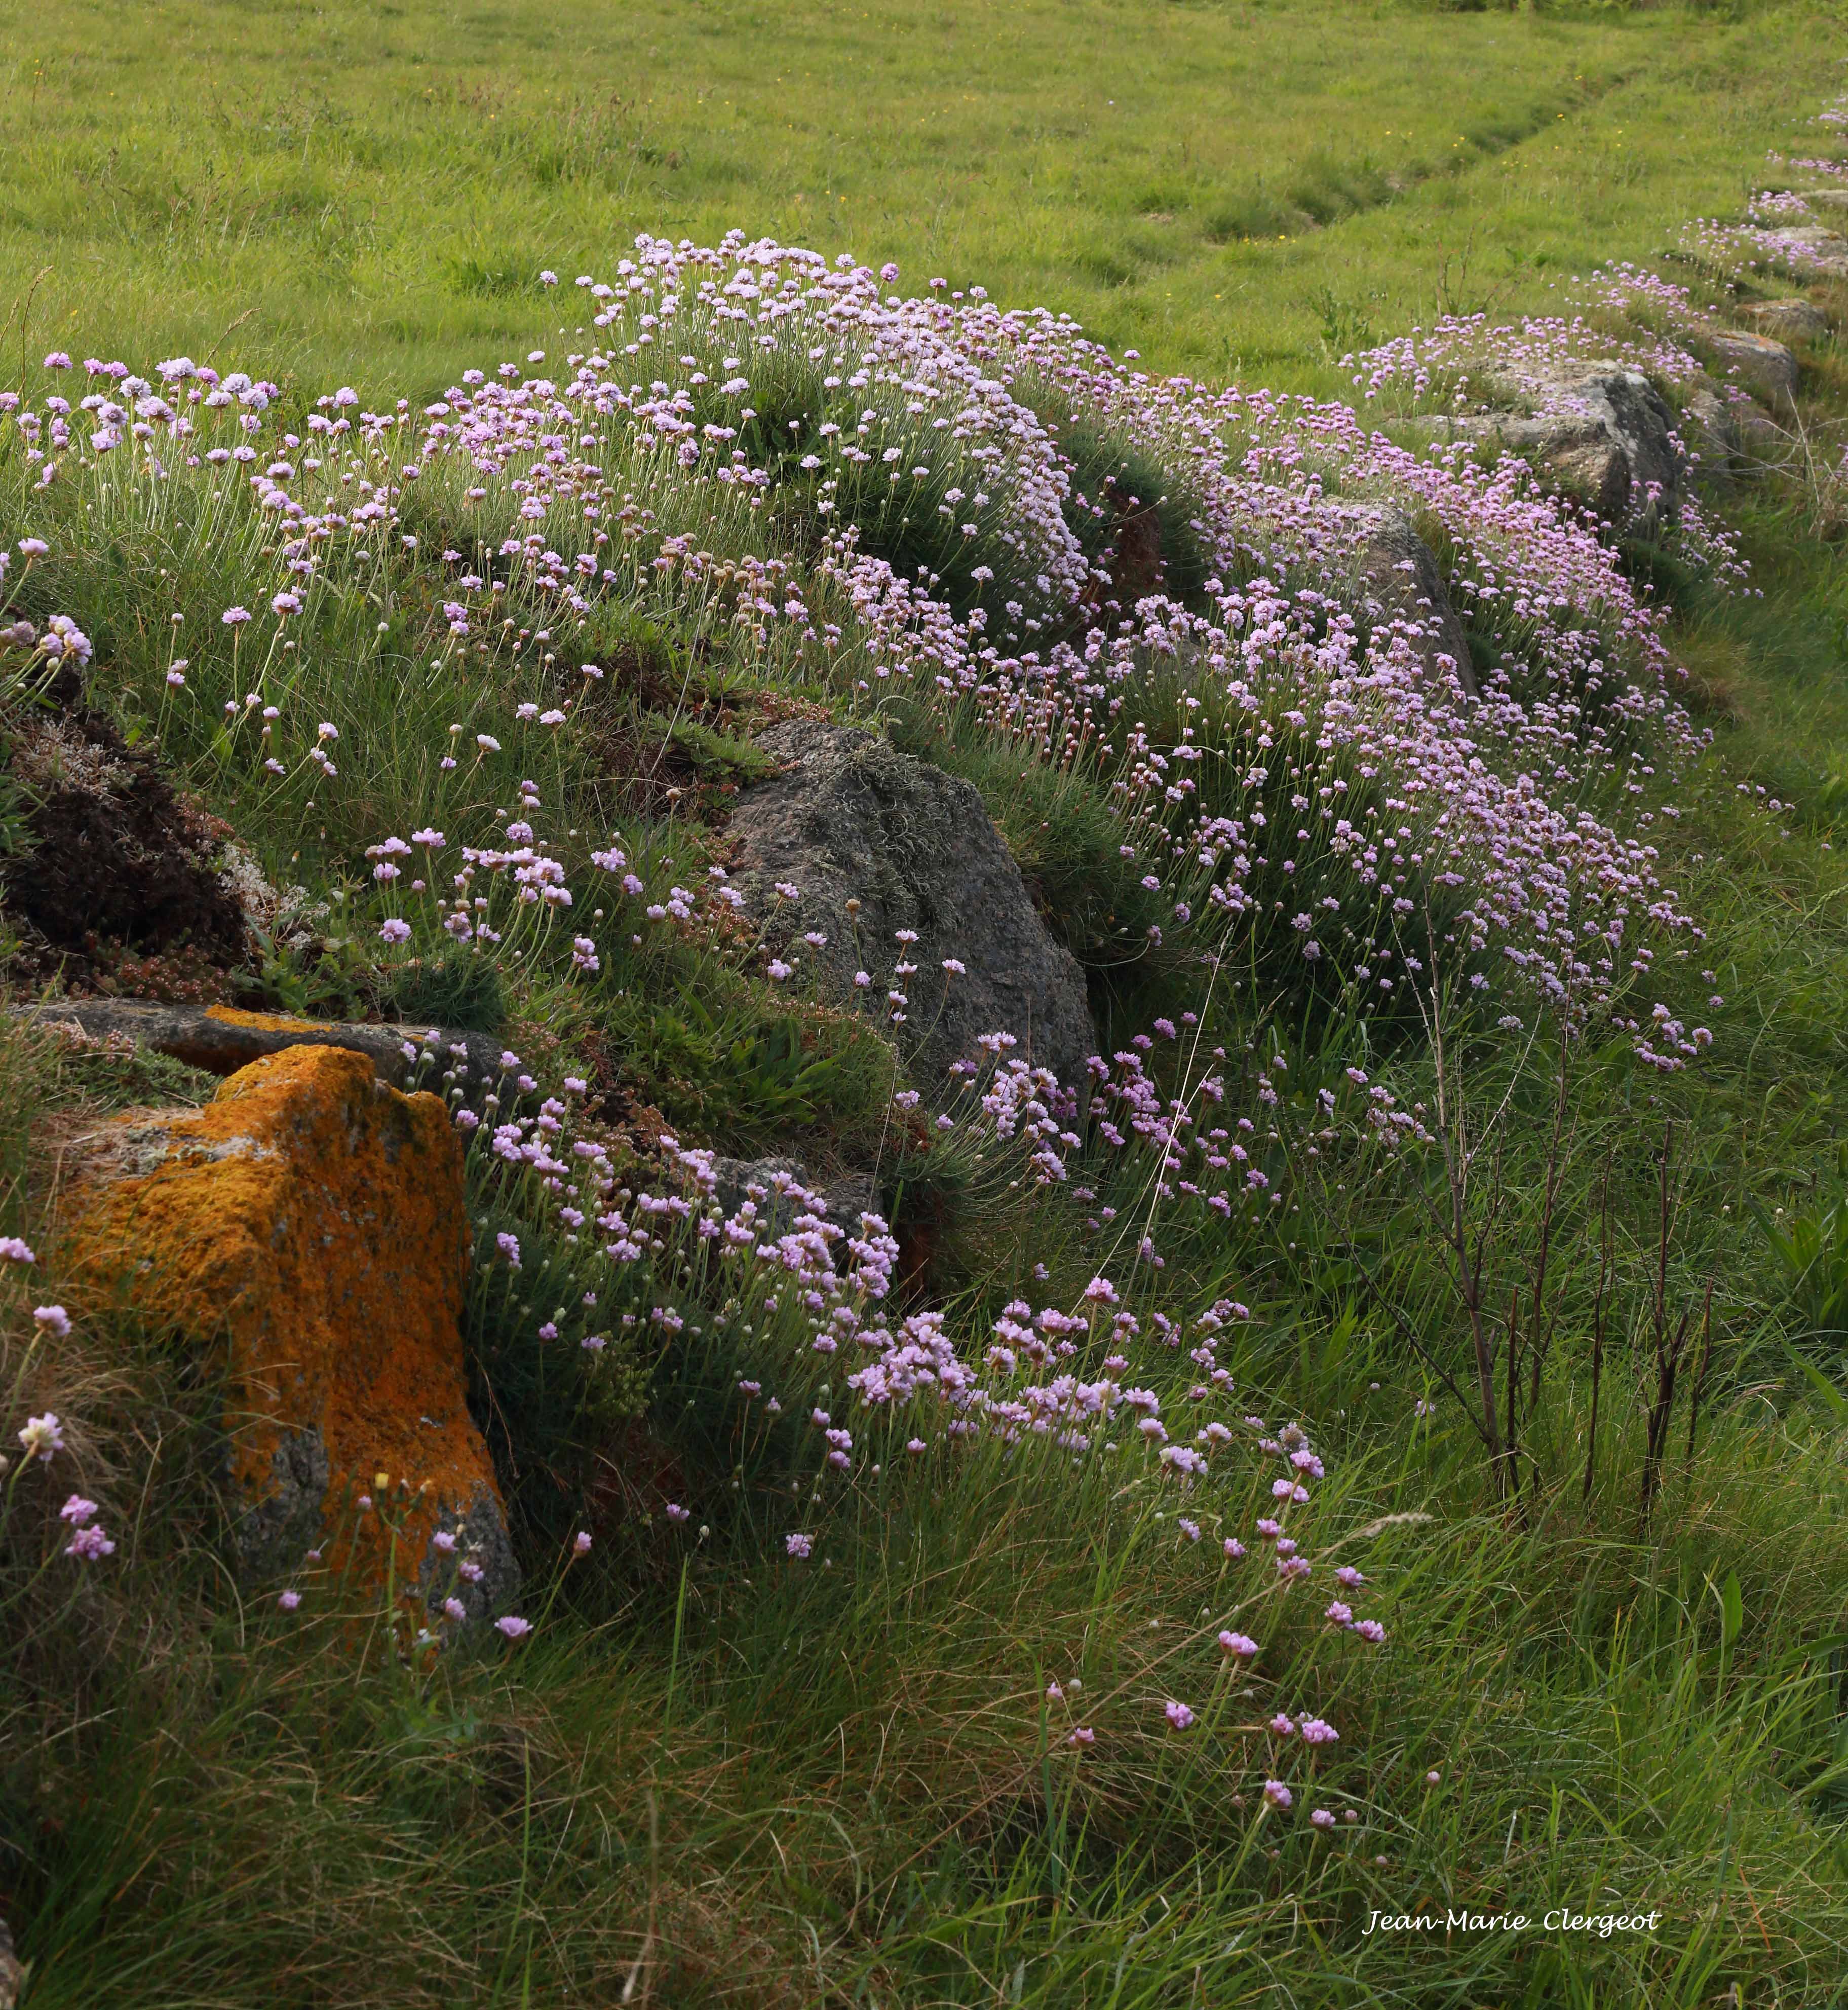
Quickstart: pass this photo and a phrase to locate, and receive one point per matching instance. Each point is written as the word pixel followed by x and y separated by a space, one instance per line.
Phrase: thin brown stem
pixel 1604 1277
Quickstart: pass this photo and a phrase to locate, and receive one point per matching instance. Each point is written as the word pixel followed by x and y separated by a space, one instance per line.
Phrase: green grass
pixel 713 1775
pixel 370 192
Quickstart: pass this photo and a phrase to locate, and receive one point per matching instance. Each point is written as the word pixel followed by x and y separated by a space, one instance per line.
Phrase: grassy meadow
pixel 369 193
pixel 720 1770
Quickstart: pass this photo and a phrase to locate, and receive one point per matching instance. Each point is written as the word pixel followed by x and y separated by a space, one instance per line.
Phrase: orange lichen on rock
pixel 310 1222
pixel 262 1022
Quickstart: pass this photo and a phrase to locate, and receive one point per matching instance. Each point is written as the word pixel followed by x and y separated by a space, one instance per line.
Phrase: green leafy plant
pixel 1812 1250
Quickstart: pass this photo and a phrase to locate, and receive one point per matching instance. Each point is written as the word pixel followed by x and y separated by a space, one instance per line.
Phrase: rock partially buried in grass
pixel 305 1229
pixel 1810 250
pixel 1729 428
pixel 220 1039
pixel 846 1196
pixel 1789 321
pixel 1399 581
pixel 1599 431
pixel 850 818
pixel 1758 363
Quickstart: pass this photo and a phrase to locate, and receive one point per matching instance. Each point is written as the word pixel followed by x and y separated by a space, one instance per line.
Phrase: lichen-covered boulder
pixel 1597 431
pixel 851 820
pixel 307 1230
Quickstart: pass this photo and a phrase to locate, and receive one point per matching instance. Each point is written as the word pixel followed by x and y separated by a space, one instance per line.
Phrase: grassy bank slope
pixel 981 1716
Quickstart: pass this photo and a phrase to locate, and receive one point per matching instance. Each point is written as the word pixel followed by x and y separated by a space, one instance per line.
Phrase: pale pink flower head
pixel 42 1435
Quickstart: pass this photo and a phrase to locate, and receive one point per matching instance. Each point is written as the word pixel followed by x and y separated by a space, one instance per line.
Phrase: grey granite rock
pixel 1599 431
pixel 851 820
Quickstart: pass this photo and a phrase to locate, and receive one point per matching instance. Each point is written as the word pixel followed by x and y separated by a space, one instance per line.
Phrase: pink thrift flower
pixel 513 1628
pixel 289 1601
pixel 1179 1715
pixel 1240 1645
pixel 580 1546
pixel 54 1319
pixel 42 1435
pixel 1322 1819
pixel 799 1546
pixel 1277 1794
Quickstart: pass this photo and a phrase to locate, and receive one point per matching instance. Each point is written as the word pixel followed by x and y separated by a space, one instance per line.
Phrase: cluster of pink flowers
pixel 1331 793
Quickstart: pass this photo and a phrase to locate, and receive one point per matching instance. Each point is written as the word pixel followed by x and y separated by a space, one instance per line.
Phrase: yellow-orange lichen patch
pixel 310 1222
pixel 262 1022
